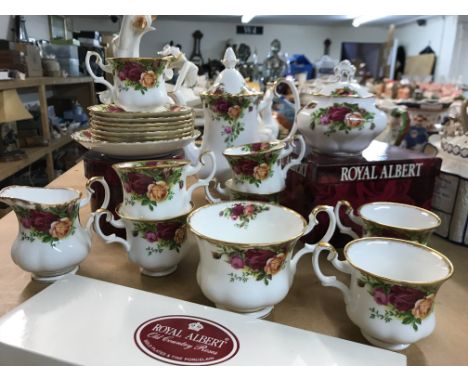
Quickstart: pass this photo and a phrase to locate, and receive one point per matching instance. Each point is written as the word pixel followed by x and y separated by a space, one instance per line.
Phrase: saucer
pixel 140 149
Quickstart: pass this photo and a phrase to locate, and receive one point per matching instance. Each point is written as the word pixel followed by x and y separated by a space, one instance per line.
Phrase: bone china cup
pixel 156 189
pixel 392 290
pixel 156 246
pixel 397 220
pixel 246 261
pixel 257 168
pixel 138 82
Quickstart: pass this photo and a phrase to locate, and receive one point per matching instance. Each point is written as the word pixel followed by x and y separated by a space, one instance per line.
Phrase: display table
pixel 308 305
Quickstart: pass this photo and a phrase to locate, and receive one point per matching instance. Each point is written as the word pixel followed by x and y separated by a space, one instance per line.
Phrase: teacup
pixel 156 189
pixel 397 220
pixel 139 83
pixel 246 252
pixel 257 167
pixel 156 246
pixel 233 194
pixel 392 289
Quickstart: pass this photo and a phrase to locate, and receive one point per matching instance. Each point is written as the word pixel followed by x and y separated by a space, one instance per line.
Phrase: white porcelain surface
pixel 246 259
pixel 399 215
pixel 341 124
pixel 140 149
pixel 51 241
pixel 392 290
pixel 112 313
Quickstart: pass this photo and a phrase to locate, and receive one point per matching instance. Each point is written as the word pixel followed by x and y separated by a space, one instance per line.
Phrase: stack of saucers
pixel 112 124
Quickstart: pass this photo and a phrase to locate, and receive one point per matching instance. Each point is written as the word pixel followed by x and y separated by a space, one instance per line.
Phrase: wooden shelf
pixel 33 154
pixel 33 82
pixel 80 88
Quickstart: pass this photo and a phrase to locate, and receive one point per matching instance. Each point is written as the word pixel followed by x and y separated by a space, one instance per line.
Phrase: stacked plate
pixel 112 124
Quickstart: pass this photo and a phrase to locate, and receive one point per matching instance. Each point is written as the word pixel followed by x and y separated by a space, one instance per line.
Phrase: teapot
pixel 231 113
pixel 51 241
pixel 342 118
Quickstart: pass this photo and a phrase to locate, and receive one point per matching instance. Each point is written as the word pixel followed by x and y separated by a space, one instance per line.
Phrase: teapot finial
pixel 230 60
pixel 344 71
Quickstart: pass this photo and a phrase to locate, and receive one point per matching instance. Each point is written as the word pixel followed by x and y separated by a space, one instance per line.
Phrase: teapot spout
pixel 192 152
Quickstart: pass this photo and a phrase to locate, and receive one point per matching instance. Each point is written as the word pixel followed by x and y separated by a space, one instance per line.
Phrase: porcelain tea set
pixel 247 248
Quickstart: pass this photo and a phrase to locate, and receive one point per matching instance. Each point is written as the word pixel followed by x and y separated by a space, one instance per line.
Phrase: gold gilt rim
pixel 367 220
pixel 354 97
pixel 277 146
pixel 245 245
pixel 47 205
pixel 230 95
pixel 165 58
pixel 406 242
pixel 166 163
pixel 134 219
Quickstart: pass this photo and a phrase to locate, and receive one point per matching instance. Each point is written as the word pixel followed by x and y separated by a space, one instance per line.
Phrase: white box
pixel 82 321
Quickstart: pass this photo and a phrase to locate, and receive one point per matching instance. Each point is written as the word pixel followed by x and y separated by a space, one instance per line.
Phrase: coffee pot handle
pixel 106 68
pixel 90 192
pixel 115 223
pixel 309 248
pixel 194 169
pixel 297 102
pixel 298 160
pixel 350 212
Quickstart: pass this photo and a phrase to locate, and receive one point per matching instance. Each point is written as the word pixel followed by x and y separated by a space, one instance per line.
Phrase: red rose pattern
pixel 138 183
pixel 257 258
pixel 404 298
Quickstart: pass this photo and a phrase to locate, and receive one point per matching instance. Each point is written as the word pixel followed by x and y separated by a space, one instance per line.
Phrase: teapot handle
pixel 194 169
pixel 106 68
pixel 350 212
pixel 115 223
pixel 90 192
pixel 297 102
pixel 298 160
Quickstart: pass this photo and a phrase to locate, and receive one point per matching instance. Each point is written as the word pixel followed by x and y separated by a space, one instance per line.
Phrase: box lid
pixel 83 321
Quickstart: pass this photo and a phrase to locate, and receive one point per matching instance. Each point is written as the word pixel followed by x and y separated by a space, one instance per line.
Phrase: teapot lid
pixel 230 80
pixel 343 85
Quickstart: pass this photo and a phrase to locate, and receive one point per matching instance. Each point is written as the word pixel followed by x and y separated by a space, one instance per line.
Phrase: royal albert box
pixel 382 173
pixel 82 321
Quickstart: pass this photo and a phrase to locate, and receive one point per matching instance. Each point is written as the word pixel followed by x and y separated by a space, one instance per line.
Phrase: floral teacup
pixel 156 246
pixel 257 167
pixel 397 220
pixel 392 289
pixel 246 252
pixel 156 189
pixel 138 82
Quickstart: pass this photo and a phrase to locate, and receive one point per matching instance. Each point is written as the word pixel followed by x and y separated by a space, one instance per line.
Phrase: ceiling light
pixel 246 19
pixel 365 19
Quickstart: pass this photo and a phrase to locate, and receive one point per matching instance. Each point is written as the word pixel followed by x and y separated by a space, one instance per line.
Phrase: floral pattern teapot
pixel 232 118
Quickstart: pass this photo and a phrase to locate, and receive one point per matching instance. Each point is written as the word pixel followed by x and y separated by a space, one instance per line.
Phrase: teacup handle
pixel 209 196
pixel 194 169
pixel 106 68
pixel 298 160
pixel 309 248
pixel 342 266
pixel 115 223
pixel 297 102
pixel 90 192
pixel 350 212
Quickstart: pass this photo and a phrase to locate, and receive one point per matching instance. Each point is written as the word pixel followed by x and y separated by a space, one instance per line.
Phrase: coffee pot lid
pixel 230 80
pixel 343 84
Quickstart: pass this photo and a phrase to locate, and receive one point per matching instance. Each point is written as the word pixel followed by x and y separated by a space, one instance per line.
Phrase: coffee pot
pixel 232 116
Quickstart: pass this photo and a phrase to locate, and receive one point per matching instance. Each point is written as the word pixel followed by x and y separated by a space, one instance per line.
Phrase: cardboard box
pixel 82 321
pixel 382 173
pixel 32 58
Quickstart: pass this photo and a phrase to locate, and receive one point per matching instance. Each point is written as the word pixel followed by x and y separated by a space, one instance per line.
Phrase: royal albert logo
pixel 186 340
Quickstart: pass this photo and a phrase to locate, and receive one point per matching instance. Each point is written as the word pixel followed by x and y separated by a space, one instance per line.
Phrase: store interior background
pixel 447 35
